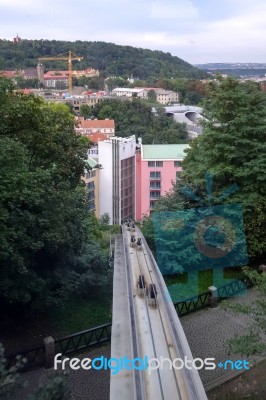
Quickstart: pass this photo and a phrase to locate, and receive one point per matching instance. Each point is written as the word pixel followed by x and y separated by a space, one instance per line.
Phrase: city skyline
pixel 197 31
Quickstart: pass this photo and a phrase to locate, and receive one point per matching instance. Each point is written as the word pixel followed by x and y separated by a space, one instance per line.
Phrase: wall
pixel 168 174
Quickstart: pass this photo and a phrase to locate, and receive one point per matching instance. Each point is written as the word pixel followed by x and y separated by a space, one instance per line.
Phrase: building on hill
pixel 88 73
pixel 127 92
pixel 52 79
pixel 162 96
pixel 157 167
pixel 29 73
pixel 9 74
pixel 96 137
pixel 166 96
pixel 17 39
pixel 93 126
pixel 117 178
pixel 75 101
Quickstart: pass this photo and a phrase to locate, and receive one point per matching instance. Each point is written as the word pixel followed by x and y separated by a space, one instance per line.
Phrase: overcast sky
pixel 197 31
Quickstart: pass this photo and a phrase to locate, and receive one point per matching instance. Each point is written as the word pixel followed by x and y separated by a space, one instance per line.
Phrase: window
pixel 159 163
pixel 155 175
pixel 177 164
pixel 91 195
pixel 91 205
pixel 151 163
pixel 155 194
pixel 177 175
pixel 152 204
pixel 155 185
pixel 91 185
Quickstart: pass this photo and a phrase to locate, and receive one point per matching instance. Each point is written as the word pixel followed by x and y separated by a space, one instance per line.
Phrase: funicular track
pixel 153 332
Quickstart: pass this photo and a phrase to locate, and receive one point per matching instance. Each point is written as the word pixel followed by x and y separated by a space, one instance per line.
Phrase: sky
pixel 198 31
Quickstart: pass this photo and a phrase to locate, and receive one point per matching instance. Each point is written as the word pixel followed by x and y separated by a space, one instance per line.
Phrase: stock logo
pixel 207 237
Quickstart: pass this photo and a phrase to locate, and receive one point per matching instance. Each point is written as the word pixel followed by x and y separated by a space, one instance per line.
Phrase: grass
pixel 80 314
pixel 186 285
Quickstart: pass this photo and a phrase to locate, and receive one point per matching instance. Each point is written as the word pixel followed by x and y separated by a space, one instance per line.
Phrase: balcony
pixel 153 186
pixel 155 196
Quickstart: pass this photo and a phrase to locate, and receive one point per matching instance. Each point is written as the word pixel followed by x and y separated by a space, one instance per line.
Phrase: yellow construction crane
pixel 69 57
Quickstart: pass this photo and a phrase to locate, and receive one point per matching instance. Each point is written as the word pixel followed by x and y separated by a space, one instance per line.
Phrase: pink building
pixel 157 166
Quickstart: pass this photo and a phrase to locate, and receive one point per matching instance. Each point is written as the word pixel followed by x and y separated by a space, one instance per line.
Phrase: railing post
pixel 49 350
pixel 213 296
pixel 262 268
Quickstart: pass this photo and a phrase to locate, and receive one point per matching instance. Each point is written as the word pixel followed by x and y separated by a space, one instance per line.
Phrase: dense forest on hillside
pixel 108 58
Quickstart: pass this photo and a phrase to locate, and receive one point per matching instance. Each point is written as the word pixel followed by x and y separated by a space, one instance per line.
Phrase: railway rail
pixel 156 332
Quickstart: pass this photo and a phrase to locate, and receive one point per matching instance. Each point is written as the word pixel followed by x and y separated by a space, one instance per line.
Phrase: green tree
pixel 252 342
pixel 232 149
pixel 152 96
pixel 105 220
pixel 46 230
pixel 135 118
pixel 192 98
pixel 10 378
pixel 86 111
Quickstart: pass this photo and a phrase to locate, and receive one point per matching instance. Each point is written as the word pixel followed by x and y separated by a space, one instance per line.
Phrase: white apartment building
pixel 127 92
pixel 117 184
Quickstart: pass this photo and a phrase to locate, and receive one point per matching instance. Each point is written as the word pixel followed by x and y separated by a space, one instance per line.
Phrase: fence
pixel 43 355
pixel 193 303
pixel 33 357
pixel 212 296
pixel 84 339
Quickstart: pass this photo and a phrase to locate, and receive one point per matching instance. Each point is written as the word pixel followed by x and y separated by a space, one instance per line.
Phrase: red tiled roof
pixel 56 75
pixel 8 74
pixel 96 137
pixel 97 123
pixel 25 91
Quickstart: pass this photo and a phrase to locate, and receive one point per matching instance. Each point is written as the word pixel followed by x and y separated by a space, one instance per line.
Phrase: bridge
pixel 146 327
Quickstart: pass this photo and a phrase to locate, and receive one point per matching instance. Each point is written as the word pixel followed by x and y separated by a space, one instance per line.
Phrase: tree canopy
pixel 232 152
pixel 47 233
pixel 136 118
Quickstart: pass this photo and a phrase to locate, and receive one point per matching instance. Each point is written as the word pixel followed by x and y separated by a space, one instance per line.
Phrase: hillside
pixel 235 69
pixel 108 58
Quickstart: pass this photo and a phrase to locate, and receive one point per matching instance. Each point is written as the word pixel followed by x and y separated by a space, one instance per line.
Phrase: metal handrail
pixel 84 339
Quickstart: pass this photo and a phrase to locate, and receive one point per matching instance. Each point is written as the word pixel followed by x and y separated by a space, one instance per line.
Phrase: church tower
pixel 40 73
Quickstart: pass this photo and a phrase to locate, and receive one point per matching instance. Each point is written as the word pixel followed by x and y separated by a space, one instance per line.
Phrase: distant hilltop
pixel 238 70
pixel 215 66
pixel 110 59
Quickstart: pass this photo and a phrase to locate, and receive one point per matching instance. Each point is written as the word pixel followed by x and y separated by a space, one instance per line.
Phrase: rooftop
pixel 96 123
pixel 129 90
pixel 92 163
pixel 163 151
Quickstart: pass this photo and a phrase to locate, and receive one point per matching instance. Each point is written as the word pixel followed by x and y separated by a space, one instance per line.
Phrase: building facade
pixel 127 92
pixel 91 126
pixel 92 181
pixel 117 183
pixel 157 167
pixel 166 96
